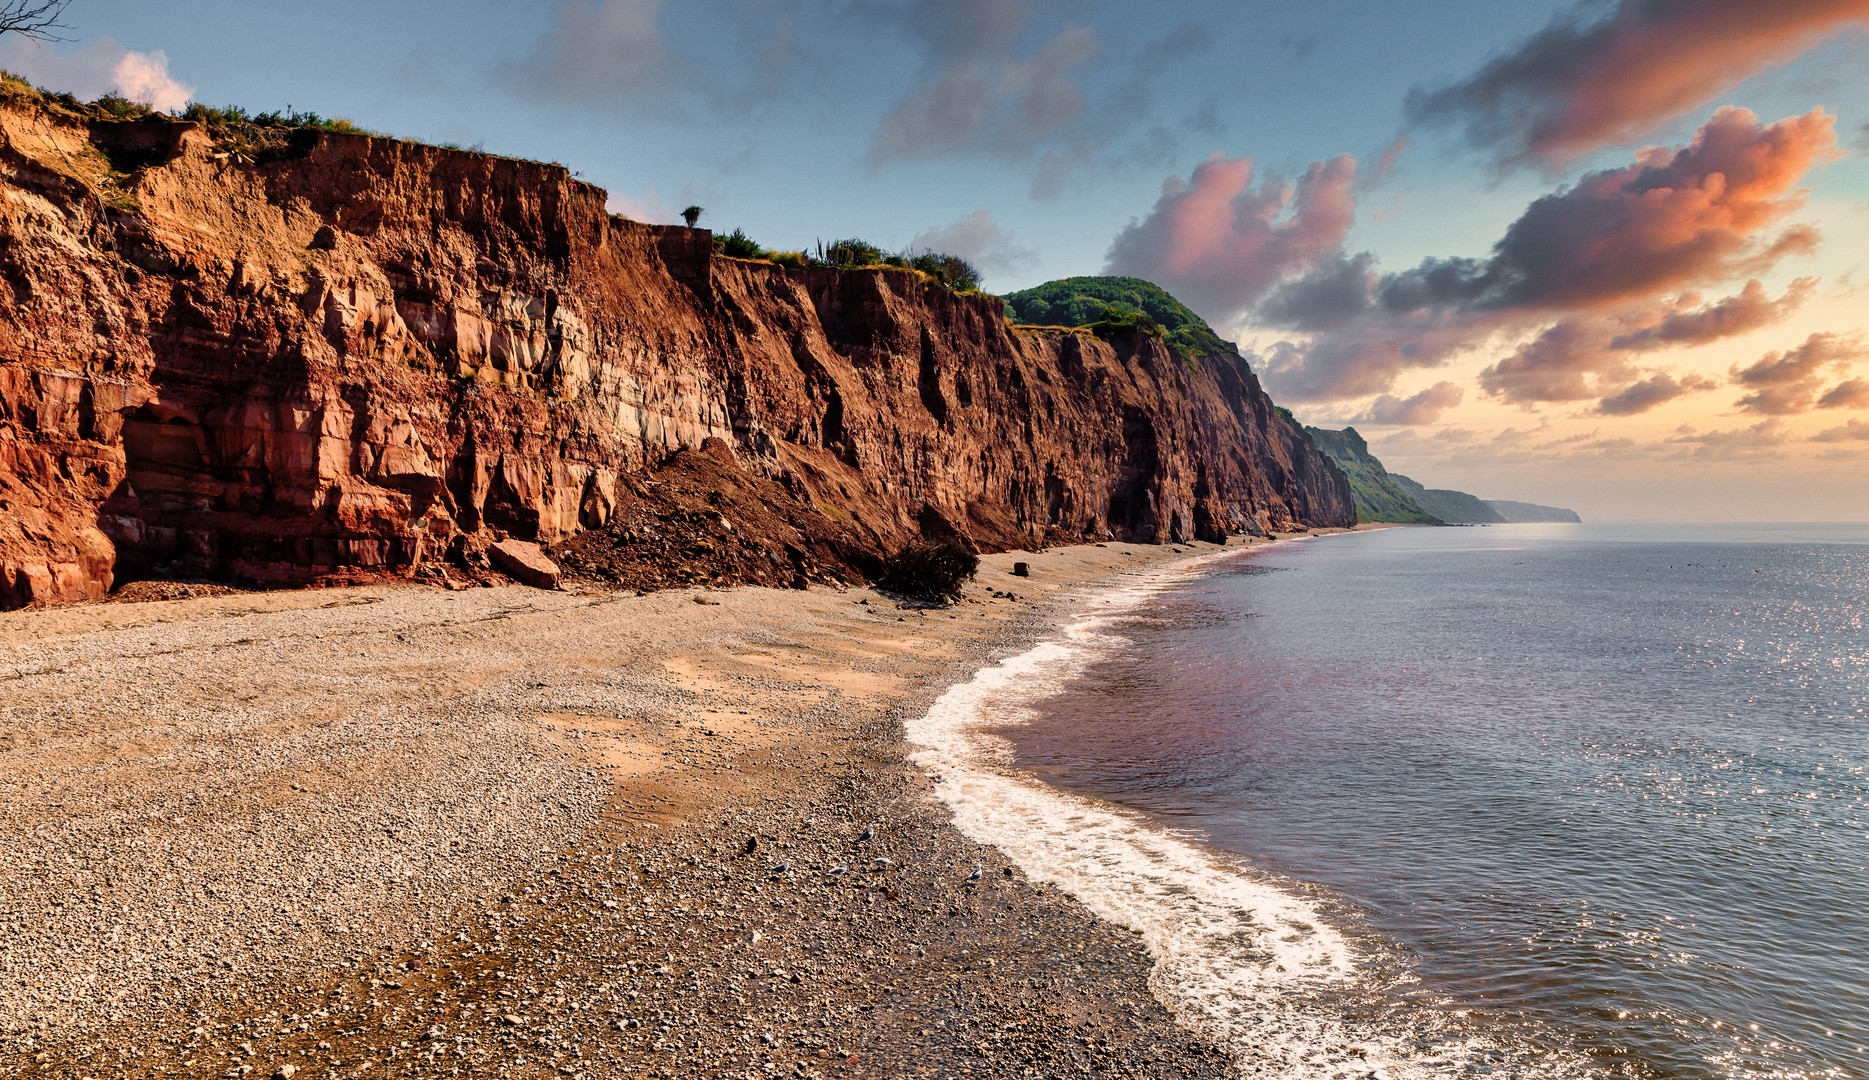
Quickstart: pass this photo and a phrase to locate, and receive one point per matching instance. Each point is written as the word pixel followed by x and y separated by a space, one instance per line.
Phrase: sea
pixel 1528 801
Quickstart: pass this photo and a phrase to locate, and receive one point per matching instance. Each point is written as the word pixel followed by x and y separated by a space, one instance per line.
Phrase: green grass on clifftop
pixel 1086 301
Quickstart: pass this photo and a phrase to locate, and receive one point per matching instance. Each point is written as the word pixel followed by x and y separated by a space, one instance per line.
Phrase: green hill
pixel 1516 512
pixel 1453 507
pixel 1385 496
pixel 1378 497
pixel 1087 301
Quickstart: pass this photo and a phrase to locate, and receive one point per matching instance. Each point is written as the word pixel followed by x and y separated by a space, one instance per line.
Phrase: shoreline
pixel 378 831
pixel 1235 955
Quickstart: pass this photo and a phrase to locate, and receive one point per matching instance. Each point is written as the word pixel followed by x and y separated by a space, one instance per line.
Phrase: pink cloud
pixel 1786 383
pixel 1591 355
pixel 1748 310
pixel 1218 244
pixel 1571 360
pixel 1850 394
pixel 1760 441
pixel 1575 87
pixel 1670 219
pixel 978 239
pixel 1423 408
pixel 1851 431
pixel 636 209
pixel 1656 390
pixel 1596 256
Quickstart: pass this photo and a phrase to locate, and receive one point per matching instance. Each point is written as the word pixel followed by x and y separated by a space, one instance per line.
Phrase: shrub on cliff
pixel 292 118
pixel 850 253
pixel 738 245
pixel 937 571
pixel 118 107
pixel 950 270
pixel 1123 320
pixel 216 117
pixel 790 258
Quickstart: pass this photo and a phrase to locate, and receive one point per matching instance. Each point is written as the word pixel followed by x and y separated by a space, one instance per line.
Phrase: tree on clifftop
pixel 34 19
pixel 691 215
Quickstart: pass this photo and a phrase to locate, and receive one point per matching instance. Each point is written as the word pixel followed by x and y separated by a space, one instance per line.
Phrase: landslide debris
pixel 701 519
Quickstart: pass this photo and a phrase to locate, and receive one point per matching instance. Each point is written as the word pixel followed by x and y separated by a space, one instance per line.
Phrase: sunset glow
pixel 1604 256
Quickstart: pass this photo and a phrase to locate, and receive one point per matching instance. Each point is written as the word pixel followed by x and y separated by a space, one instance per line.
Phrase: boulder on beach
pixel 523 561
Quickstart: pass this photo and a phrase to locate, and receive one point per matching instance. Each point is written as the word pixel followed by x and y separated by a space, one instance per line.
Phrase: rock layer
pixel 351 353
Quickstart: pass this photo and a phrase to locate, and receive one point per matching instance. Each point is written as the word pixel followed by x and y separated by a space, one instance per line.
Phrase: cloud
pixel 1748 310
pixel 1761 440
pixel 1656 390
pixel 1577 85
pixel 1667 220
pixel 1334 291
pixel 1386 163
pixel 1570 360
pixel 651 209
pixel 1423 408
pixel 1786 383
pixel 1590 355
pixel 1218 244
pixel 145 77
pixel 978 239
pixel 991 83
pixel 1594 256
pixel 1851 431
pixel 617 57
pixel 977 91
pixel 596 52
pixel 1851 394
pixel 1795 365
pixel 103 66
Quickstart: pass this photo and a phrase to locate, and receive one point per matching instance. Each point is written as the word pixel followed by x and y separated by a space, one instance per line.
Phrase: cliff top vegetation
pixel 117 107
pixel 933 267
pixel 1117 304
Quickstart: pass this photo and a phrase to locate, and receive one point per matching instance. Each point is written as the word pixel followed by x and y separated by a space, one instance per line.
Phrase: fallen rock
pixel 523 561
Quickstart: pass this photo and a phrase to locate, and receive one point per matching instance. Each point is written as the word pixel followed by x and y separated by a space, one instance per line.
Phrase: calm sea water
pixel 1548 800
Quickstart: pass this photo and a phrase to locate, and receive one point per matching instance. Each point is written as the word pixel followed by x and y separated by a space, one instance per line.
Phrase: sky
pixel 1605 255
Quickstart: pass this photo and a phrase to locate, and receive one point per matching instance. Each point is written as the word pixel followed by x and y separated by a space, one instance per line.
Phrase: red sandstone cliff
pixel 354 352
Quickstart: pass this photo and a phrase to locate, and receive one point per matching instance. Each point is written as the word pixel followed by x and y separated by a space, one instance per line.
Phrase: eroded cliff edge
pixel 347 351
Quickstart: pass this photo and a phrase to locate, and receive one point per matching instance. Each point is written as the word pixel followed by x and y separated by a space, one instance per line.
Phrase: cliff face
pixel 347 352
pixel 1378 495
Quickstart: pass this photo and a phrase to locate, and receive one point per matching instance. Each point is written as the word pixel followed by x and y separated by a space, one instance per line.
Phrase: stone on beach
pixel 524 562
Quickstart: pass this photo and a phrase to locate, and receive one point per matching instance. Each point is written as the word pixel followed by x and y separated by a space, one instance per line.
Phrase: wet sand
pixel 504 832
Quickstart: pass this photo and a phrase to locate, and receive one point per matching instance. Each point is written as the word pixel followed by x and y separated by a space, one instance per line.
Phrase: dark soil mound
pixel 700 519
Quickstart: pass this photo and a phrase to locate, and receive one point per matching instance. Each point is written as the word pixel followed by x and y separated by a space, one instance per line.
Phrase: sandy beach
pixel 396 831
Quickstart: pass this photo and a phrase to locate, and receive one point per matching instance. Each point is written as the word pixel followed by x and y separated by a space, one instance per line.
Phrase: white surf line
pixel 1235 955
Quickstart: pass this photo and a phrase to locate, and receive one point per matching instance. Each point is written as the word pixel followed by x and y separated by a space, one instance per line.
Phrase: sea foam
pixel 1237 953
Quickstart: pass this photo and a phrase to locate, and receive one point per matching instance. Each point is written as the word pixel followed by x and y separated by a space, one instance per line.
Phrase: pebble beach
pixel 396 831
